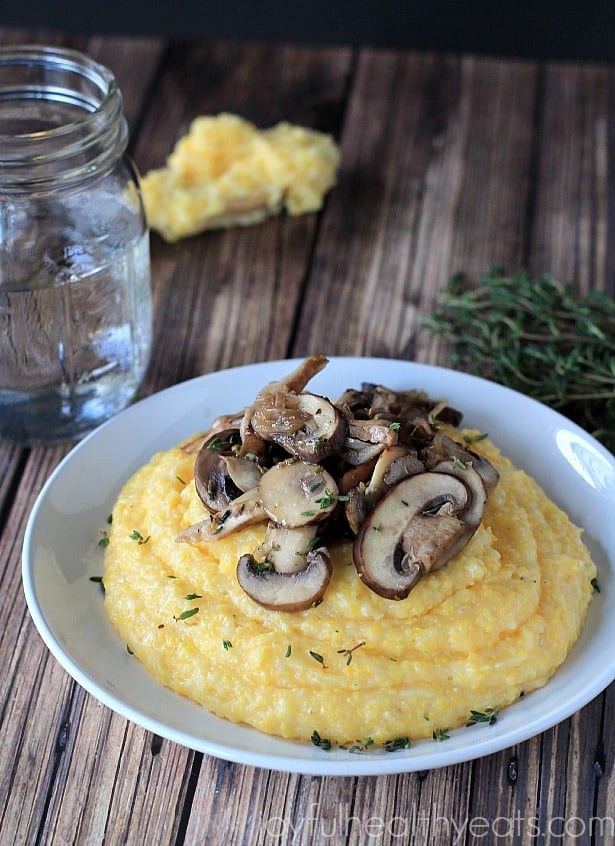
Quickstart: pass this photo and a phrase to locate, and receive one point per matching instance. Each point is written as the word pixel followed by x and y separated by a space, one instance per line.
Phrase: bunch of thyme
pixel 538 337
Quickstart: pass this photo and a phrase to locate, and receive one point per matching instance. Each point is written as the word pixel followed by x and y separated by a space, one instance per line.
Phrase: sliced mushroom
pixel 286 549
pixel 294 493
pixel 356 452
pixel 395 462
pixel 415 529
pixel 443 448
pixel 245 473
pixel 286 591
pixel 245 510
pixel 211 477
pixel 306 425
pixel 474 482
pixel 356 508
pixel 298 378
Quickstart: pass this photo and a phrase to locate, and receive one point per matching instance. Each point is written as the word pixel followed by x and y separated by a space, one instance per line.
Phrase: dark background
pixel 543 29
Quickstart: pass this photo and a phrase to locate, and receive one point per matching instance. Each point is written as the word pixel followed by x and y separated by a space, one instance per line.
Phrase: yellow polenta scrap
pixel 226 172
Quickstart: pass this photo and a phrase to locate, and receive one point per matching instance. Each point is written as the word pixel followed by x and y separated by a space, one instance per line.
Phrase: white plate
pixel 61 555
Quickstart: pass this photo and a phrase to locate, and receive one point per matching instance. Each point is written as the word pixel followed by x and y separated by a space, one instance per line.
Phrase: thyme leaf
pixel 396 743
pixel 320 742
pixel 185 615
pixel 488 716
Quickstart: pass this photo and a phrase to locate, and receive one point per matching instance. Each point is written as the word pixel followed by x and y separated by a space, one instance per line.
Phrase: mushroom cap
pixel 286 591
pixel 306 425
pixel 212 481
pixel 415 528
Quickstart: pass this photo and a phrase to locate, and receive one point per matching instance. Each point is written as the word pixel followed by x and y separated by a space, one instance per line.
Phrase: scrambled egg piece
pixel 492 624
pixel 226 172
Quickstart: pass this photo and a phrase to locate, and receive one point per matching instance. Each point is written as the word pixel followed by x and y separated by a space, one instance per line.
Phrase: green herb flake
pixel 317 657
pixel 227 644
pixel 104 539
pixel 320 742
pixel 440 734
pixel 596 585
pixel 361 745
pixel 349 652
pixel 191 596
pixel 98 580
pixel 185 615
pixel 137 536
pixel 329 498
pixel 397 743
pixel 488 716
pixel 288 651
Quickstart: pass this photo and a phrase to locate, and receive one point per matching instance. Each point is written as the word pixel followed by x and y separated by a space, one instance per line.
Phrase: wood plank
pixel 455 146
pixel 570 218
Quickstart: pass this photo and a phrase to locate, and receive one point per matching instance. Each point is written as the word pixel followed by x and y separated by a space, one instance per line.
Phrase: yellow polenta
pixel 226 172
pixel 492 624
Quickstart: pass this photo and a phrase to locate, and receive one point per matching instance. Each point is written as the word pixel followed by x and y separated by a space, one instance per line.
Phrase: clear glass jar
pixel 75 285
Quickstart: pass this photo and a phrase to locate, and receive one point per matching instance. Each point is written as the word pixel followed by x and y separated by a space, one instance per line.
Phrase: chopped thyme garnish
pixel 361 745
pixel 98 580
pixel 129 650
pixel 327 500
pixel 395 426
pixel 180 480
pixel 317 657
pixel 185 615
pixel 227 644
pixel 104 539
pixel 288 651
pixel 440 735
pixel 193 596
pixel 458 463
pixel 488 716
pixel 396 743
pixel 320 742
pixel 349 652
pixel 596 585
pixel 135 535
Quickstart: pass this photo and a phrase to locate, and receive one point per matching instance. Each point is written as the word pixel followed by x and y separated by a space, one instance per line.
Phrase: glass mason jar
pixel 75 286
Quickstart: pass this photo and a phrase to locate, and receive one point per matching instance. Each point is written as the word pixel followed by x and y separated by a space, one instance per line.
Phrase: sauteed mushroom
pixel 294 493
pixel 420 524
pixel 307 426
pixel 286 591
pixel 413 496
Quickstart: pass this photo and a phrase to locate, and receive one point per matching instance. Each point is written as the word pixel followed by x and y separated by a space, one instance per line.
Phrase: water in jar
pixel 75 318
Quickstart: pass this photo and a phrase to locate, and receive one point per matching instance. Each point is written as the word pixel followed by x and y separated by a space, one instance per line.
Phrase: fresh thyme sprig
pixel 539 337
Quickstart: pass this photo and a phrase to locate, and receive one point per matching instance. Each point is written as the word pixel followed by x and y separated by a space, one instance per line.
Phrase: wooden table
pixel 449 162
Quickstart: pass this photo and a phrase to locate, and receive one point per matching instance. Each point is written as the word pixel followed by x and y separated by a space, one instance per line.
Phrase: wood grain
pixel 449 162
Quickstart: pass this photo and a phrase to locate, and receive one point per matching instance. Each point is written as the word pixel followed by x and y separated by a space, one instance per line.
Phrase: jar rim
pixel 67 59
pixel 93 128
